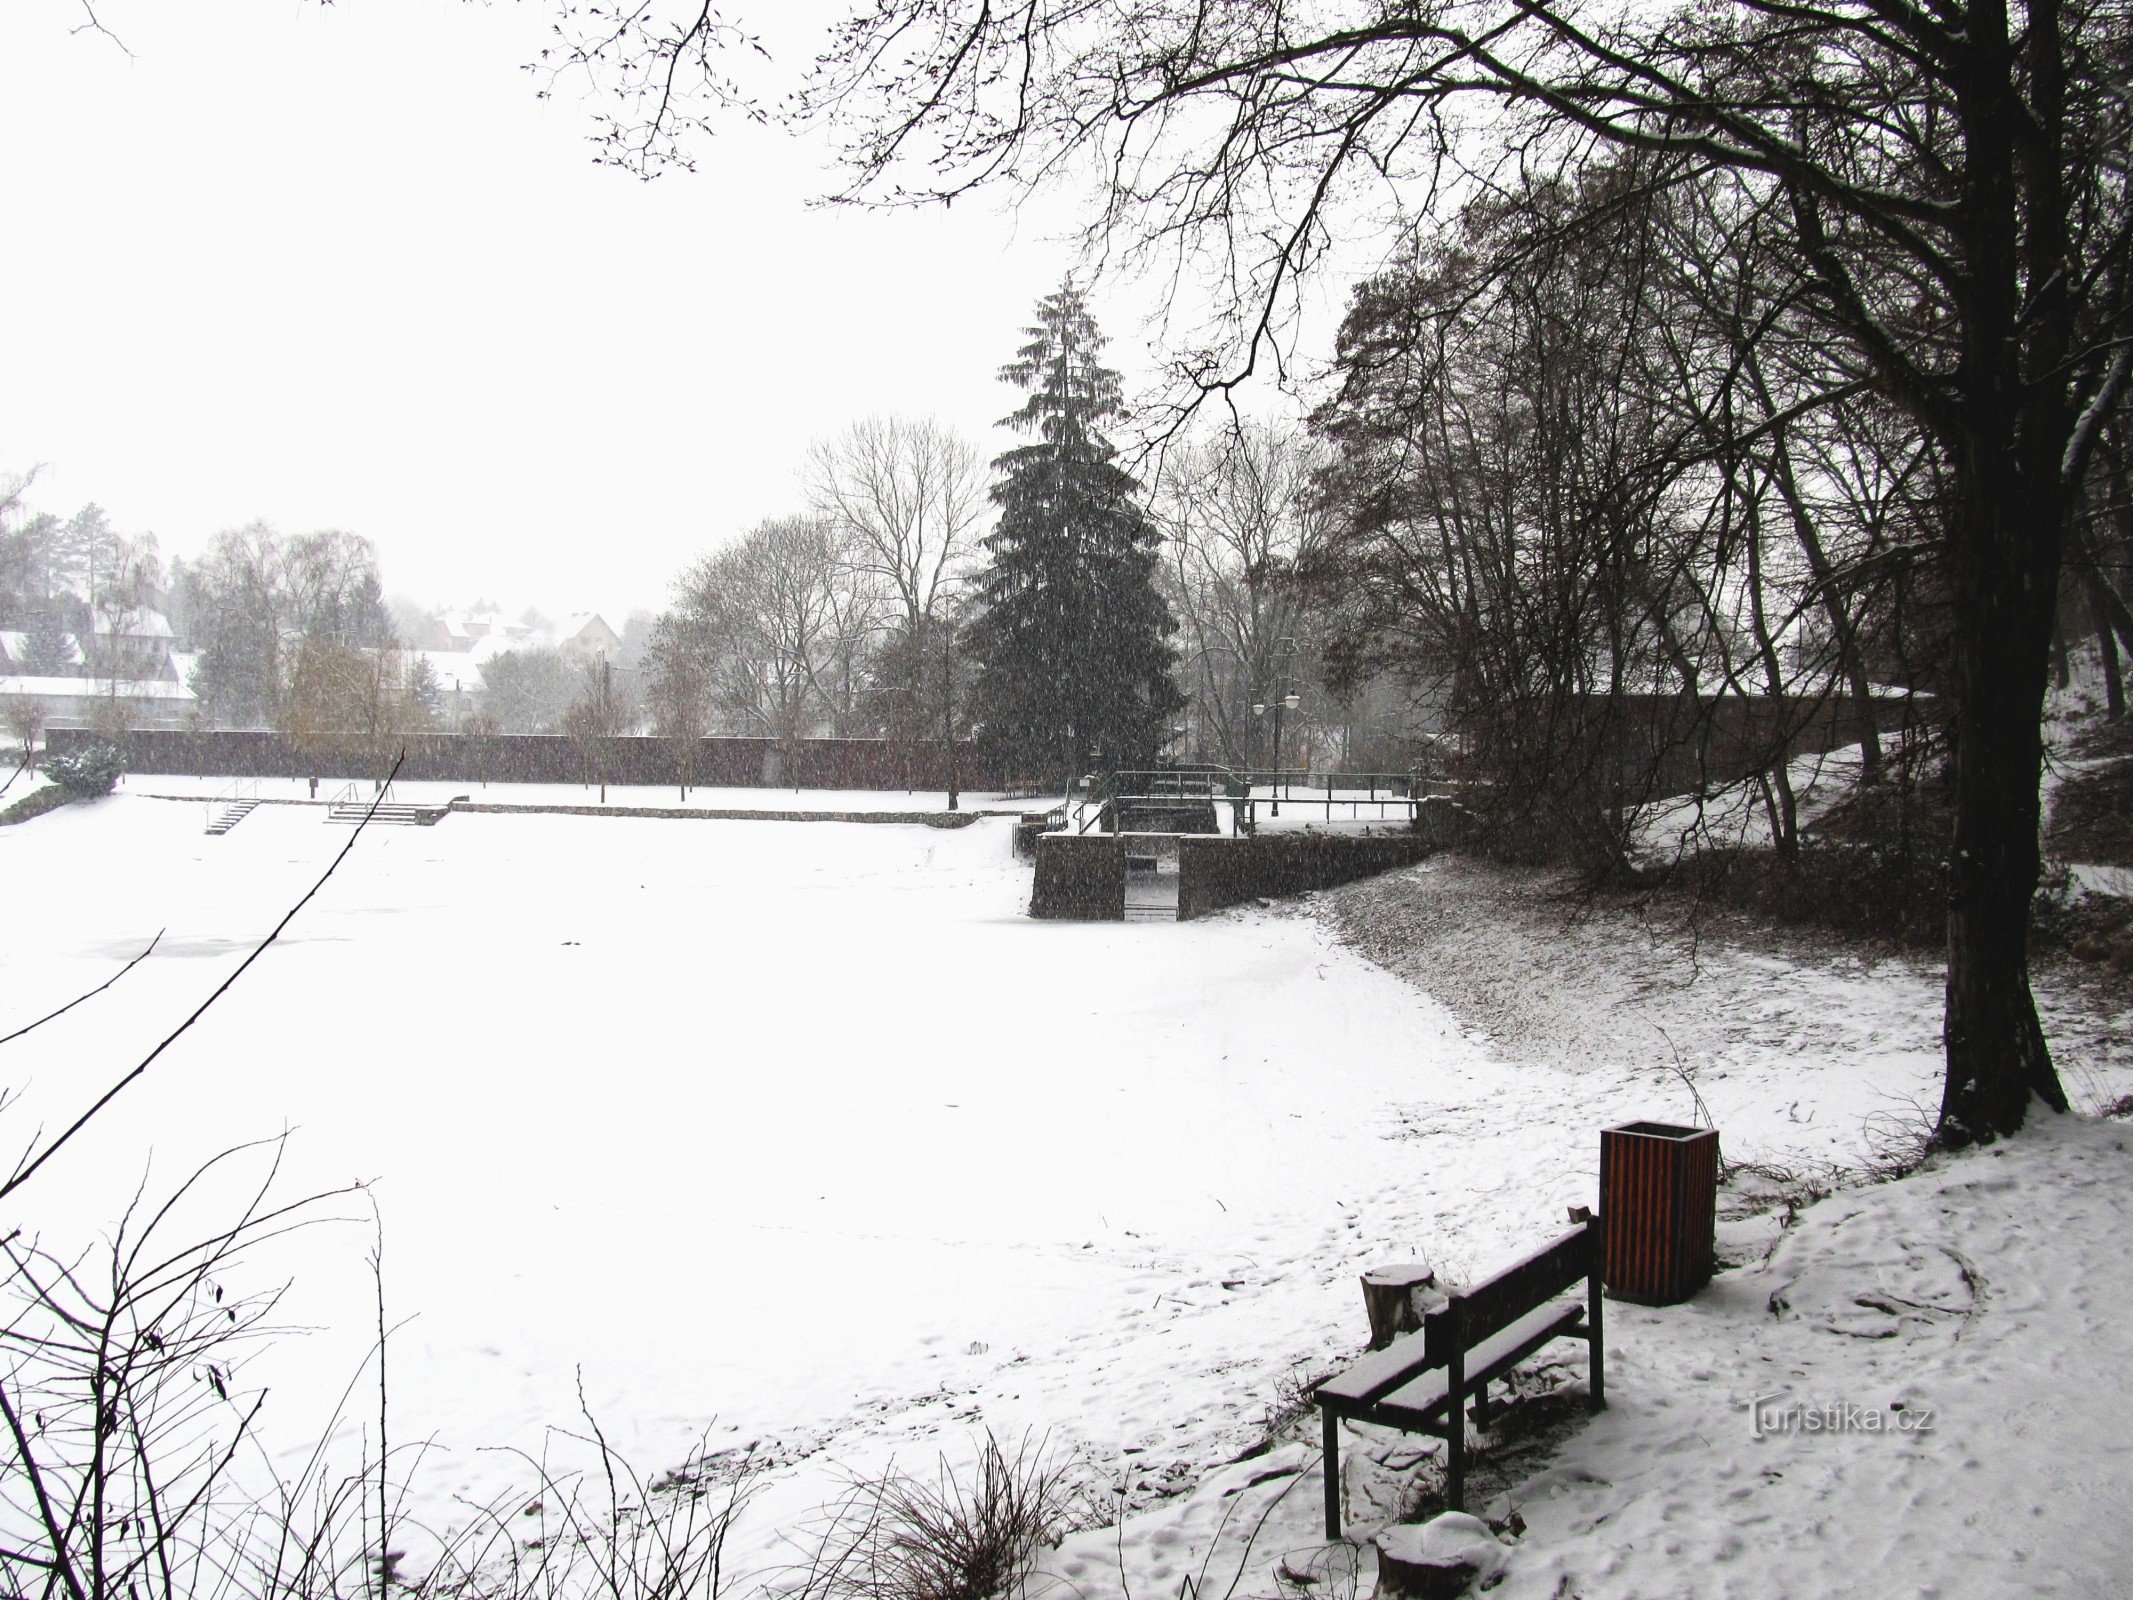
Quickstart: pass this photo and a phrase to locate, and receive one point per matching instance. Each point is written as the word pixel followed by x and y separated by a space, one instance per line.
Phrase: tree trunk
pixel 2004 551
pixel 2114 683
pixel 2007 528
pixel 1844 628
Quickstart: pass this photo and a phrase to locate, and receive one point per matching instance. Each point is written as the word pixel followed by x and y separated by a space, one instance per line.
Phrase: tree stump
pixel 1440 1558
pixel 1397 1297
pixel 1426 1578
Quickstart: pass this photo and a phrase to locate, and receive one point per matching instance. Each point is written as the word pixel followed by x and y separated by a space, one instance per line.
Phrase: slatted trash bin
pixel 1658 1205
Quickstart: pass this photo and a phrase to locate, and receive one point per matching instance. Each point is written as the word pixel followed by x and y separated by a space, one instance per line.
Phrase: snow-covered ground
pixel 1920 1392
pixel 803 1133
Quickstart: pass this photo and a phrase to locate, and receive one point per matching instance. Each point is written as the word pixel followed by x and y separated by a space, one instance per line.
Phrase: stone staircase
pixel 1162 814
pixel 229 816
pixel 397 813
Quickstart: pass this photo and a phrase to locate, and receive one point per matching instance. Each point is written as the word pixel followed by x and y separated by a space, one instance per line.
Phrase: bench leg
pixel 1455 1432
pixel 1595 1346
pixel 1332 1426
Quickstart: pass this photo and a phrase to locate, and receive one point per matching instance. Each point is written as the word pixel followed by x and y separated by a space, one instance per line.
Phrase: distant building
pixel 586 637
pixel 78 702
pixel 129 666
pixel 459 685
pixel 457 645
pixel 136 644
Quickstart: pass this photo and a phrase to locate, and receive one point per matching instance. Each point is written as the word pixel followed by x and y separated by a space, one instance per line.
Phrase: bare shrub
pixel 1899 1137
pixel 1293 1402
pixel 600 1532
pixel 899 1537
pixel 132 1464
pixel 121 1393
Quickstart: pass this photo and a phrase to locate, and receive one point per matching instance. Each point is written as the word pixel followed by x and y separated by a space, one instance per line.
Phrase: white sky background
pixel 339 267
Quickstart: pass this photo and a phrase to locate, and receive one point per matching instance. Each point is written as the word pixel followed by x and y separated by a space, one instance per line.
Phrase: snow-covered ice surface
pixel 803 1133
pixel 620 797
pixel 801 1127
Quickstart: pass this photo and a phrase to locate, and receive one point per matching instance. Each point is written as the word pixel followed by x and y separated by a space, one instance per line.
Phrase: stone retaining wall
pixel 1080 877
pixel 1214 873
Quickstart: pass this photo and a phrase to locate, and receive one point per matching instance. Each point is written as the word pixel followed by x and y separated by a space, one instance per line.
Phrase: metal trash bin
pixel 1658 1210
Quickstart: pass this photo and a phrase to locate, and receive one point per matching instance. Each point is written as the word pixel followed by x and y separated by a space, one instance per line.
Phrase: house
pixel 458 677
pixel 85 702
pixel 134 644
pixel 129 668
pixel 587 638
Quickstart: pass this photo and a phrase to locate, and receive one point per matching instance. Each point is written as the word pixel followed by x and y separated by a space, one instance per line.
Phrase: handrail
pixel 1389 795
pixel 352 795
pixel 231 794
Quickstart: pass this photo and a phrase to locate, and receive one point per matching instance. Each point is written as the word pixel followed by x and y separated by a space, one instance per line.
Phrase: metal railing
pixel 229 795
pixel 1338 796
pixel 1329 796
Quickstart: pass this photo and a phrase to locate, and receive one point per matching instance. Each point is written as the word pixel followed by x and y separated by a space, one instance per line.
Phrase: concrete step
pixel 392 813
pixel 230 815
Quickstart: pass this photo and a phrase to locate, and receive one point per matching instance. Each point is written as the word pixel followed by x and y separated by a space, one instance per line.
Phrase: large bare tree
pixel 786 618
pixel 1241 518
pixel 909 497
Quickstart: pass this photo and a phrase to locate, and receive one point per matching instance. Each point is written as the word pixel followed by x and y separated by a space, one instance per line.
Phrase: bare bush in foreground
pixel 900 1537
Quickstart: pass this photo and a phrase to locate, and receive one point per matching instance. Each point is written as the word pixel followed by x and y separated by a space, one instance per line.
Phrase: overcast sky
pixel 339 267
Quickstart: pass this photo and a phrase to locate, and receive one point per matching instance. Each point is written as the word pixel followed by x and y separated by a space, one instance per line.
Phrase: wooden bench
pixel 1421 1382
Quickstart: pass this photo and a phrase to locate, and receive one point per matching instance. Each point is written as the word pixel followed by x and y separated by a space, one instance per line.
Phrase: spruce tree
pixel 49 651
pixel 1074 663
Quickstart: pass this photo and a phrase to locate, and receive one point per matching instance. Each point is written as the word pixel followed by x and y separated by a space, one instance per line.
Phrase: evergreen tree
pixel 425 694
pixel 49 650
pixel 1074 664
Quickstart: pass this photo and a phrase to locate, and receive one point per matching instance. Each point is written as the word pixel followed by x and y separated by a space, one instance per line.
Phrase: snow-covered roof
pixel 15 646
pixel 44 688
pixel 456 670
pixel 580 624
pixel 490 646
pixel 149 624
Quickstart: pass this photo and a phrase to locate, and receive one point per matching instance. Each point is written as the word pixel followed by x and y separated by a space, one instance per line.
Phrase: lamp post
pixel 607 722
pixel 1283 699
pixel 948 709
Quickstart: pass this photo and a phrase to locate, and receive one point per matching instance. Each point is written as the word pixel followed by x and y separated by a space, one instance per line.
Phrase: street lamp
pixel 1288 701
pixel 948 710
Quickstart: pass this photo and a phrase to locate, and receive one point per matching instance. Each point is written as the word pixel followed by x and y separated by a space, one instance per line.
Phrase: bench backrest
pixel 1493 1305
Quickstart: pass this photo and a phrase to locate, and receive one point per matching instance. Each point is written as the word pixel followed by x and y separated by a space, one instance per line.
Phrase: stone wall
pixel 1080 877
pixel 1214 873
pixel 1657 745
pixel 875 764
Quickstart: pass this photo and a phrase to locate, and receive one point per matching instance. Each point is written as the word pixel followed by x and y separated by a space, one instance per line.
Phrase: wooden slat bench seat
pixel 1421 1382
